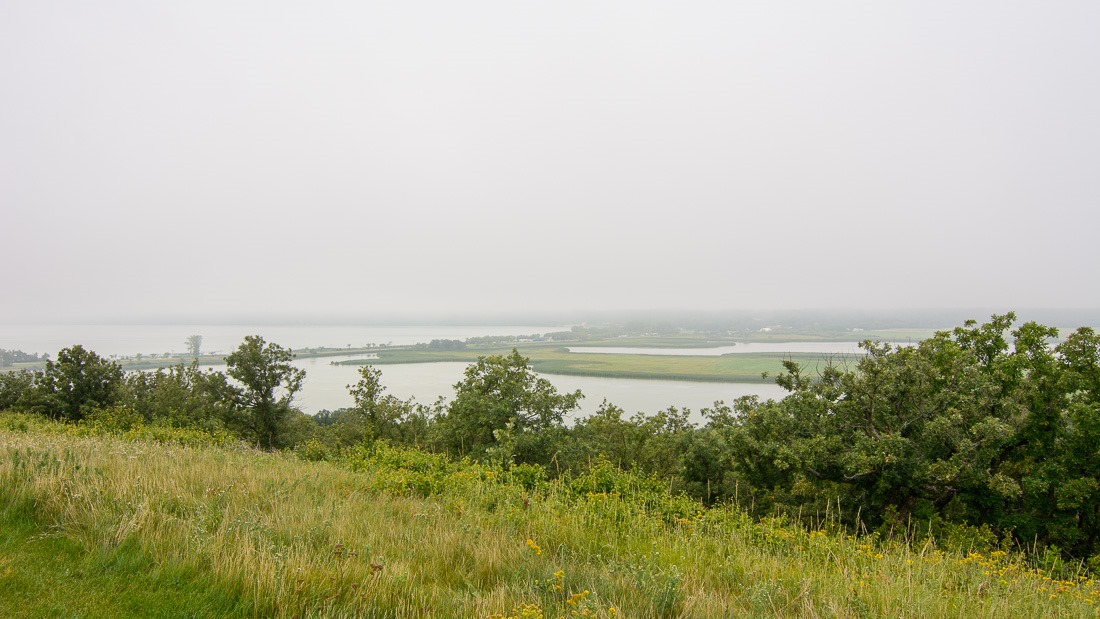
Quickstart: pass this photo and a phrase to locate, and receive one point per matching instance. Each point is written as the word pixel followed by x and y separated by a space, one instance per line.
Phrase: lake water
pixel 828 348
pixel 325 385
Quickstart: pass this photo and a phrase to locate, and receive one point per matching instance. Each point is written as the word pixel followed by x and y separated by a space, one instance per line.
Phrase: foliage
pixel 78 382
pixel 965 426
pixel 498 391
pixel 184 396
pixel 14 387
pixel 648 443
pixel 268 385
pixel 443 345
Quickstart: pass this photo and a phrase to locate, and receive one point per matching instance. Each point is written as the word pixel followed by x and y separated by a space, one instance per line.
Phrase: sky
pixel 274 158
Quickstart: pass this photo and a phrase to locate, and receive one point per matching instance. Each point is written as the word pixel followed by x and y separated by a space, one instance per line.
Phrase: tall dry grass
pixel 302 539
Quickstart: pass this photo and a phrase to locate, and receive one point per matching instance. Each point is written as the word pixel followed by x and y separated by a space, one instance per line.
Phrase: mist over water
pixel 128 340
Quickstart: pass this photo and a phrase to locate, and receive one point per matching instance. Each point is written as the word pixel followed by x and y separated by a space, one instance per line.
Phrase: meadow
pixel 554 358
pixel 176 523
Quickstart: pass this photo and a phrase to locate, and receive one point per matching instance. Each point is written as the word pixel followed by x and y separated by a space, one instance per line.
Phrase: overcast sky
pixel 358 158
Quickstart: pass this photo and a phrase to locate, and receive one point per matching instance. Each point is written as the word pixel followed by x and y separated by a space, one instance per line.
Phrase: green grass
pixel 102 526
pixel 554 358
pixel 45 573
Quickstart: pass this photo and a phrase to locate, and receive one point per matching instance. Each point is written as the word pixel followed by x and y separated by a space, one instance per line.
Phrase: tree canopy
pixel 268 383
pixel 78 382
pixel 501 393
pixel 968 426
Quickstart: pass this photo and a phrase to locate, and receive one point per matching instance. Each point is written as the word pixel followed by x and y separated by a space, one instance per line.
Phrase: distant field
pixel 554 358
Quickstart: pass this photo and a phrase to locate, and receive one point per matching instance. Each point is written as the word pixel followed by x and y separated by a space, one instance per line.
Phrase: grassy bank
pixel 554 358
pixel 100 525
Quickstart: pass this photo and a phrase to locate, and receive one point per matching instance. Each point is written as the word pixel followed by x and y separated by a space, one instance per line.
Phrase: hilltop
pixel 172 523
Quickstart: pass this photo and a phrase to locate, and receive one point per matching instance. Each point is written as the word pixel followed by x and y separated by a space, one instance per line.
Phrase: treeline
pixel 10 357
pixel 987 426
pixel 442 345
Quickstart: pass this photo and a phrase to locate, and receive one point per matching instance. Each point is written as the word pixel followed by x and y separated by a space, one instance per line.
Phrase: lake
pixel 325 385
pixel 827 348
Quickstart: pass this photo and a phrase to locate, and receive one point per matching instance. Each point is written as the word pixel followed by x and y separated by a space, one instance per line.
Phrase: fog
pixel 365 159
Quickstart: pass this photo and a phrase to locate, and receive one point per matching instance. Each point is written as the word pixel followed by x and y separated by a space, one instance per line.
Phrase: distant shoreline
pixel 553 357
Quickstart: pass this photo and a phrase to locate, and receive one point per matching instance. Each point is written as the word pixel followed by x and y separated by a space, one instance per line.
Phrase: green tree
pixel 375 414
pixel 650 444
pixel 983 425
pixel 367 392
pixel 500 390
pixel 13 387
pixel 268 384
pixel 78 382
pixel 183 396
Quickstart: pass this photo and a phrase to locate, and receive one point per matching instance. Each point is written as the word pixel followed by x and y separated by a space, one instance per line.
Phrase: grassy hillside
pixel 105 525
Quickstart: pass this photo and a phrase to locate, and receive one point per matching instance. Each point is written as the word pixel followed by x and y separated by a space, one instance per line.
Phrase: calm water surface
pixel 325 387
pixel 826 348
pixel 326 384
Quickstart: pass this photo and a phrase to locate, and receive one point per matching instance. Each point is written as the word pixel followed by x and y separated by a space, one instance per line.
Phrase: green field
pixel 100 525
pixel 554 358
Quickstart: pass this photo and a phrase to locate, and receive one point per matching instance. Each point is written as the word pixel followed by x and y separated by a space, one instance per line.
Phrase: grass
pixel 97 525
pixel 554 358
pixel 45 573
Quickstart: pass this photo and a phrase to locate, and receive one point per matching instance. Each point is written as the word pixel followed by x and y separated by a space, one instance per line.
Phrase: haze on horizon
pixel 340 159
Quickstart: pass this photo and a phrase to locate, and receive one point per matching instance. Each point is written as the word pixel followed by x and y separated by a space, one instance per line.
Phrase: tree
pixel 183 396
pixel 268 385
pixel 13 387
pixel 375 415
pixel 501 390
pixel 77 383
pixel 367 392
pixel 649 444
pixel 982 425
pixel 194 345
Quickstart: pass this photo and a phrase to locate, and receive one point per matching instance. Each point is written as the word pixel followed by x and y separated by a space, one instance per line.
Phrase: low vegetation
pixel 553 358
pixel 143 526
